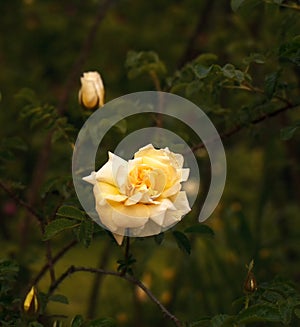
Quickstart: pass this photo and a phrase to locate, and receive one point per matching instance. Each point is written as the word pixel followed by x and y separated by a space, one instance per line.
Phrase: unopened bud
pixel 91 93
pixel 250 284
pixel 31 303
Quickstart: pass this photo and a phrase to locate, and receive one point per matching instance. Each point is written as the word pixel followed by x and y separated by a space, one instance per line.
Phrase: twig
pixel 253 122
pixel 22 203
pixel 72 269
pixel 96 285
pixel 50 261
pixel 61 253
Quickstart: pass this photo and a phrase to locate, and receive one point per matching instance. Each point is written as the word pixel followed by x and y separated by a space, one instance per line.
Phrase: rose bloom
pixel 143 196
pixel 91 93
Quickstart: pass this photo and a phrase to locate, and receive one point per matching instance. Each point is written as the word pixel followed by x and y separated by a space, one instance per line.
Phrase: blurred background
pixel 46 45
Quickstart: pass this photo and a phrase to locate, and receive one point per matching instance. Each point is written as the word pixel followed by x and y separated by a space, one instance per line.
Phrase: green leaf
pixel 288 132
pixel 271 83
pixel 257 58
pixel 259 312
pixel 236 4
pixel 104 322
pixel 182 241
pixel 57 226
pixel 200 229
pixel 59 298
pixel 286 310
pixel 70 212
pixel 222 320
pixel 35 324
pixel 77 321
pixel 297 313
pixel 139 63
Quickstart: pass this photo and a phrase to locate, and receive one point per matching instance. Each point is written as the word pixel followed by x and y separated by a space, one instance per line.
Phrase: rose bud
pixel 31 303
pixel 91 94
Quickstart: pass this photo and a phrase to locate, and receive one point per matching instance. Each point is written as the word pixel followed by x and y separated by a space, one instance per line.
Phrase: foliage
pixel 239 61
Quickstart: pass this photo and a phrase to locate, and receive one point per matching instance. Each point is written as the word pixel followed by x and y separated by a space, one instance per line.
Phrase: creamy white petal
pixel 129 216
pixel 172 190
pixel 109 171
pixel 185 174
pixel 91 178
pixel 134 199
pixel 181 203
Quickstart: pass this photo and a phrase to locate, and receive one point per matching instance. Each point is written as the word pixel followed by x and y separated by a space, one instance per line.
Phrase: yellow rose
pixel 91 94
pixel 143 196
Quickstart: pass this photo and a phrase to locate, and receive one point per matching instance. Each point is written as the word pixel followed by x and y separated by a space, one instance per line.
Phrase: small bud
pixel 250 284
pixel 31 304
pixel 91 93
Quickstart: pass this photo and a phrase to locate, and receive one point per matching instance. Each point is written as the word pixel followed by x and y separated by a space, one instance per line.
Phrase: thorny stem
pixel 250 88
pixel 253 122
pixel 62 252
pixel 72 269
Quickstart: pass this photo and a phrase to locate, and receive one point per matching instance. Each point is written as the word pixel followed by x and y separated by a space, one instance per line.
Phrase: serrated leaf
pixel 104 322
pixel 182 241
pixel 57 226
pixel 70 212
pixel 77 321
pixel 59 298
pixel 200 229
pixel 259 313
pixel 236 4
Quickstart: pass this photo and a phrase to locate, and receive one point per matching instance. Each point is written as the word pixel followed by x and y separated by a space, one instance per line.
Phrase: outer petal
pixel 110 192
pixel 108 172
pixel 181 203
pixel 185 174
pixel 91 178
pixel 158 212
pixel 129 216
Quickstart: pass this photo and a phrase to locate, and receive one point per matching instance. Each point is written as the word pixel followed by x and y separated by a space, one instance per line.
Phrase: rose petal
pixel 181 203
pixel 109 171
pixel 129 216
pixel 91 178
pixel 184 174
pixel 158 212
pixel 118 238
pixel 172 190
pixel 135 198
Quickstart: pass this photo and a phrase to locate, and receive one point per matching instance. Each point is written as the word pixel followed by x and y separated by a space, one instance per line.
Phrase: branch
pixel 45 268
pixel 22 203
pixel 253 122
pixel 72 269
